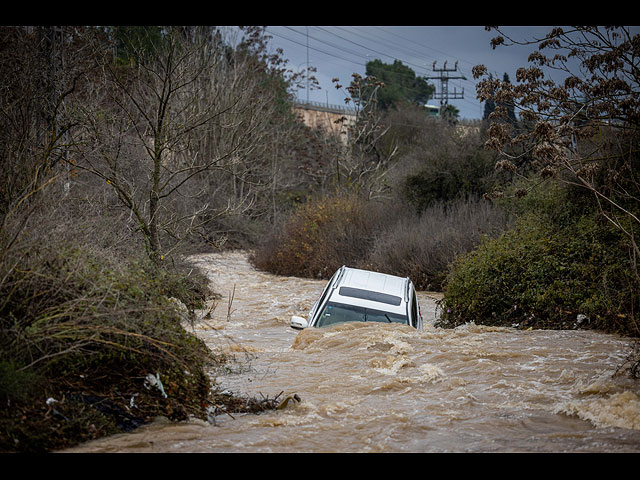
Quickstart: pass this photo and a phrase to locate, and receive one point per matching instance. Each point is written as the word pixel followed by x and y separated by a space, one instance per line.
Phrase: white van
pixel 354 295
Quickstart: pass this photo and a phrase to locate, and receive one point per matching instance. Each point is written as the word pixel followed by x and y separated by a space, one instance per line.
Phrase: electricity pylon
pixel 444 78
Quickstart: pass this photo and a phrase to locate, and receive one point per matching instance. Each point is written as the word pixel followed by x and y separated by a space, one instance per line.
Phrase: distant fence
pixel 325 107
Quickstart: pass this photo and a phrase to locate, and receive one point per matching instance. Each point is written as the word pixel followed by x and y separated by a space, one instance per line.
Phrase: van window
pixel 334 313
pixel 414 309
pixel 323 295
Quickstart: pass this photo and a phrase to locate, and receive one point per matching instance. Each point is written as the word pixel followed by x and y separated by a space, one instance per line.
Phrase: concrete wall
pixel 326 120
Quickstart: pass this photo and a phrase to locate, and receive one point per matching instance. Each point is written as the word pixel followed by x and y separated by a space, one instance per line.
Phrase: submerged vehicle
pixel 354 295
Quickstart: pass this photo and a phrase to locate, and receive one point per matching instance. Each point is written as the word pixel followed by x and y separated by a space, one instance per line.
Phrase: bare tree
pixel 363 165
pixel 159 129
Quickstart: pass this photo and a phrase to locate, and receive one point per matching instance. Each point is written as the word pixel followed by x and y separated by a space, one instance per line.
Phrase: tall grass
pixel 422 246
pixel 389 237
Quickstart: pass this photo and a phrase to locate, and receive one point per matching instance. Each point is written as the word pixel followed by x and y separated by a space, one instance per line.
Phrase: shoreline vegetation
pixel 121 158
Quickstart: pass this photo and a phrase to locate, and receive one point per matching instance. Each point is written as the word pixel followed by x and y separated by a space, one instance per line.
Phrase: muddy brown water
pixel 389 388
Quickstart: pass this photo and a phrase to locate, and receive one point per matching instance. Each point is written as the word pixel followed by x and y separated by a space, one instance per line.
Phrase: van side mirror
pixel 298 323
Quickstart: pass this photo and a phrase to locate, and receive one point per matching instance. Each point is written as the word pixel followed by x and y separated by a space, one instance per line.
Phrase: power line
pixel 422 46
pixel 313 48
pixel 427 47
pixel 341 48
pixel 385 43
pixel 370 49
pixel 444 83
pixel 365 57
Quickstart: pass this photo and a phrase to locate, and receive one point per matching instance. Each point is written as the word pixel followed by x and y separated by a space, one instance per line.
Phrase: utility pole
pixel 444 78
pixel 307 74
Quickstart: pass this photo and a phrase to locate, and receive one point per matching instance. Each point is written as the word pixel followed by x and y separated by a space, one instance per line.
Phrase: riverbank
pixel 68 418
pixel 94 346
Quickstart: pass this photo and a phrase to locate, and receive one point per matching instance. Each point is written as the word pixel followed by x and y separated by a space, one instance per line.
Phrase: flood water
pixel 389 388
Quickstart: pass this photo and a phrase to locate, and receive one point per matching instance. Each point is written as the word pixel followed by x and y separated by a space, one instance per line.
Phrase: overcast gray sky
pixel 339 51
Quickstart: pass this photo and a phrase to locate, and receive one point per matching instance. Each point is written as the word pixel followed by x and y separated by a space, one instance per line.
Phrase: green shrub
pixel 450 176
pixel 16 384
pixel 542 276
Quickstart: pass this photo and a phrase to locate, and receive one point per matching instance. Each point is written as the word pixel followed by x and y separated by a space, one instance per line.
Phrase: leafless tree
pixel 363 164
pixel 185 111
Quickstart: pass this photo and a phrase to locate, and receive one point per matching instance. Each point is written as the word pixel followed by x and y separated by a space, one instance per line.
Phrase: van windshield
pixel 340 313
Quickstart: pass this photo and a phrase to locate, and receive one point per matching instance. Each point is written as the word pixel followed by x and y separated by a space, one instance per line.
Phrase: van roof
pixel 373 281
pixel 355 287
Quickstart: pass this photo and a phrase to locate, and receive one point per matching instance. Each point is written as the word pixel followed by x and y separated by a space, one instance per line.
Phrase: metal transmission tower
pixel 444 78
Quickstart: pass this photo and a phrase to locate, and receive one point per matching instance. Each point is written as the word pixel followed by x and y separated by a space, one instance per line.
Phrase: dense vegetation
pixel 561 266
pixel 526 222
pixel 124 150
pixel 428 213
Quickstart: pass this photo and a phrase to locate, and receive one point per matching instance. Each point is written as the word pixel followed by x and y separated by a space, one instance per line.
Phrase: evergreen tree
pixel 489 106
pixel 400 84
pixel 511 114
pixel 132 42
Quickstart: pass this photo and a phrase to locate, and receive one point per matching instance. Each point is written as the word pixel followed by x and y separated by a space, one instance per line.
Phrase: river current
pixel 389 388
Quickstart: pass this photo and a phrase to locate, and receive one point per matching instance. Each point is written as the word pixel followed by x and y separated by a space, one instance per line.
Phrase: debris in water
pixel 154 381
pixel 289 398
